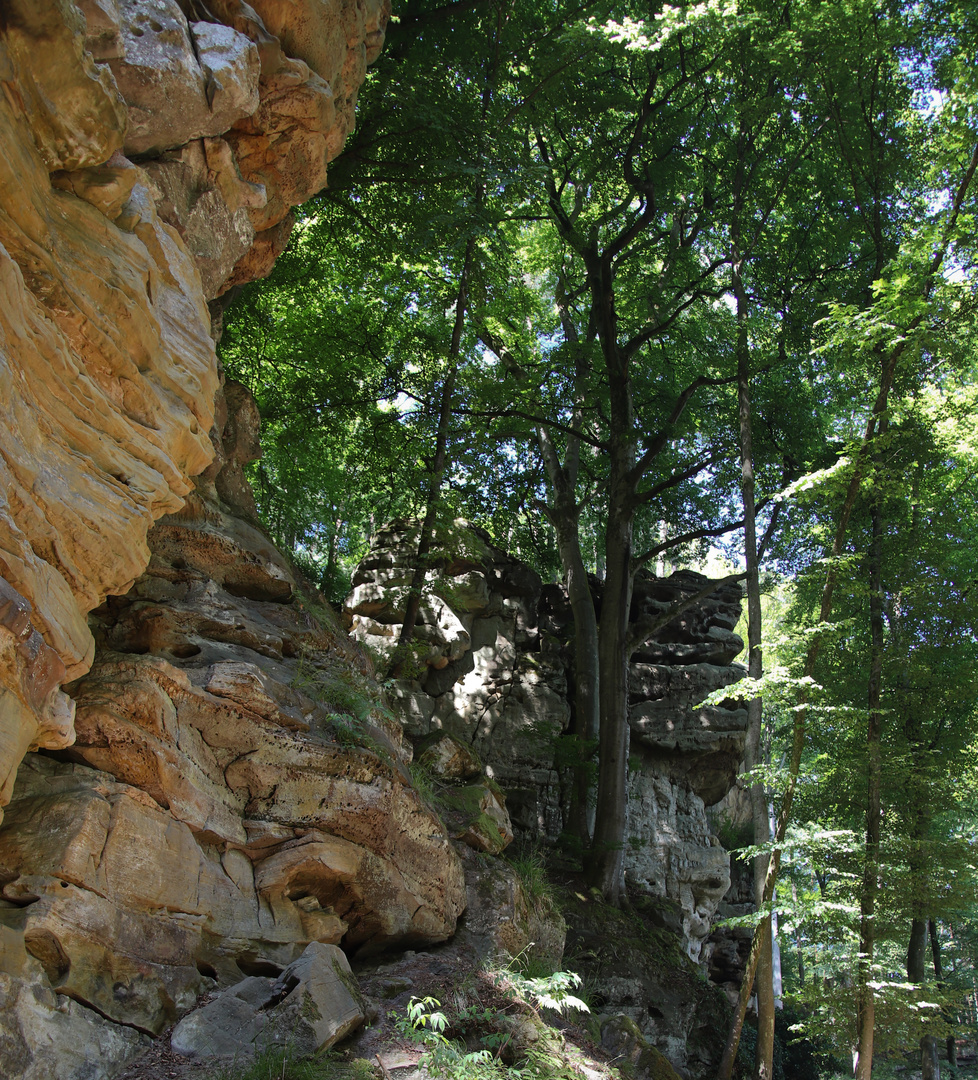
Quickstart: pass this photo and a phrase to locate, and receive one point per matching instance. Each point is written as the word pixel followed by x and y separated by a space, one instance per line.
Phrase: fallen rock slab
pixel 311 1006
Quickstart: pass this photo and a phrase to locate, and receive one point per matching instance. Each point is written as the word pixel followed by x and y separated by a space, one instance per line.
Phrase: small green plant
pixel 352 699
pixel 423 1019
pixel 547 992
pixel 424 783
pixel 731 835
pixel 426 1024
pixel 531 869
pixel 408 657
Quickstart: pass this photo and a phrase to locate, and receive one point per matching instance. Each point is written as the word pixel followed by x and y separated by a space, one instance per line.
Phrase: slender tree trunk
pixel 586 672
pixel 764 1058
pixel 565 516
pixel 935 951
pixel 725 1068
pixel 866 1005
pixel 801 958
pixel 916 952
pixel 426 538
pixel 889 368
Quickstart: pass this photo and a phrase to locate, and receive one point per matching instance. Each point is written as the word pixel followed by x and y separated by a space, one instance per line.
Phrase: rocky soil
pixel 469 974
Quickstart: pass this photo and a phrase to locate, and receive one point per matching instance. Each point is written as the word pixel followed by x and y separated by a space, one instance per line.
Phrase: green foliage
pixel 531 870
pixel 731 835
pixel 623 204
pixel 447 1056
pixel 353 699
pixel 548 991
pixel 425 784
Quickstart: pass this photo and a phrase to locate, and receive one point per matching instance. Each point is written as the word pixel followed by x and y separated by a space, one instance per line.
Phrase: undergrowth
pixel 352 699
pixel 502 1038
pixel 531 869
pixel 281 1063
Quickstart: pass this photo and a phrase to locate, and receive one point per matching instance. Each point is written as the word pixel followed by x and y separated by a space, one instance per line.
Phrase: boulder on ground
pixel 311 1006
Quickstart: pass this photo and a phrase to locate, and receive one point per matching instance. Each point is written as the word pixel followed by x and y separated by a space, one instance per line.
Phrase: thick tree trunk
pixel 605 865
pixel 606 861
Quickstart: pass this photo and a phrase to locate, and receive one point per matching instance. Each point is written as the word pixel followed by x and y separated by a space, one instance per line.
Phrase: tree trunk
pixel 586 674
pixel 866 1005
pixel 565 516
pixel 801 958
pixel 764 1058
pixel 427 537
pixel 935 951
pixel 605 865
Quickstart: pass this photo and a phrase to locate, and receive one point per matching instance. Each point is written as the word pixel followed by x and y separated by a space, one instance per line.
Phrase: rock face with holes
pixel 151 160
pixel 492 669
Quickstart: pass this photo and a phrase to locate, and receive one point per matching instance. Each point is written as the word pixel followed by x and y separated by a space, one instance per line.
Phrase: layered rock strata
pixel 492 668
pixel 152 153
pixel 236 791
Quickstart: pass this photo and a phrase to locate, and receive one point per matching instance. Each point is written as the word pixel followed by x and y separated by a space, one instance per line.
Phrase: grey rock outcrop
pixel 494 672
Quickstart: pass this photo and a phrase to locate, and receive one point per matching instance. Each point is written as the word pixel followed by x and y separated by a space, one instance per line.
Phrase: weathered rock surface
pixel 622 1038
pixel 730 945
pixel 48 1035
pixel 507 695
pixel 643 988
pixel 504 920
pixel 150 160
pixel 233 795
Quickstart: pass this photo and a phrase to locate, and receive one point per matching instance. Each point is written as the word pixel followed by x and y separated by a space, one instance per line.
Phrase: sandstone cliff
pixel 152 153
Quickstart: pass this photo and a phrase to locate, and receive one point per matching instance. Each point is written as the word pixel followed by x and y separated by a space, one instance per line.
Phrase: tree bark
pixel 605 864
pixel 866 1004
pixel 935 951
pixel 565 516
pixel 764 1055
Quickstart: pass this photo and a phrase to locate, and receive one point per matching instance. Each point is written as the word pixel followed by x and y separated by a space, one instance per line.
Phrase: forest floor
pixel 451 974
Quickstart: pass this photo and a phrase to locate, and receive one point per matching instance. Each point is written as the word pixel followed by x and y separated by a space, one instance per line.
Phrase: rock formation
pixel 219 789
pixel 235 792
pixel 152 153
pixel 493 670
